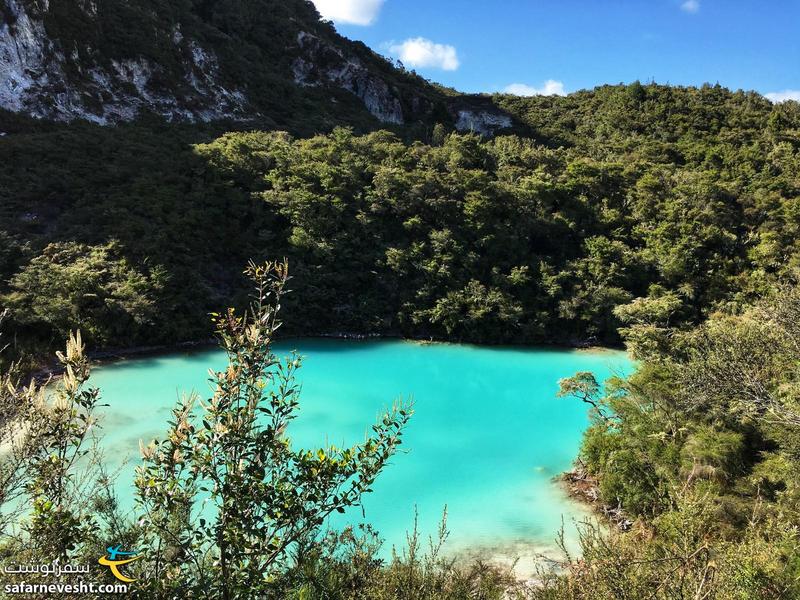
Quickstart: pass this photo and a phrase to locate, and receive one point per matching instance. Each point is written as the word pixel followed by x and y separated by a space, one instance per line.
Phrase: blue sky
pixel 557 46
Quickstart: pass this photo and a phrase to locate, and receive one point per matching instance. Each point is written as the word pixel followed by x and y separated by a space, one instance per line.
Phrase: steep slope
pixel 271 62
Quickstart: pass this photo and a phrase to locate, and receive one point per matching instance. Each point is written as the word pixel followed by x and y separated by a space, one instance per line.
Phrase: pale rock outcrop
pixel 63 79
pixel 321 63
pixel 483 122
pixel 34 80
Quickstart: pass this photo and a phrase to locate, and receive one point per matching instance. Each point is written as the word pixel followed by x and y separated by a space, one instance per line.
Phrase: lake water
pixel 487 438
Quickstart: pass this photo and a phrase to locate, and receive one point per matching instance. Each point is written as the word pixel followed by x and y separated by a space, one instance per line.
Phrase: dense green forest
pixel 624 192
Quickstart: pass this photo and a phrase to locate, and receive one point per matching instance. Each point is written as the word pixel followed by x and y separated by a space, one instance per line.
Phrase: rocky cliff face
pixel 320 63
pixel 485 122
pixel 41 77
pixel 249 60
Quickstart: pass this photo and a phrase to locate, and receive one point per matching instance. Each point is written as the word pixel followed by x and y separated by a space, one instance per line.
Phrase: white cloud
pixel 784 96
pixel 691 6
pixel 353 12
pixel 551 87
pixel 420 53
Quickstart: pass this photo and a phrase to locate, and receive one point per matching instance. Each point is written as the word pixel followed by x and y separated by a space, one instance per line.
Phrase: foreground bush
pixel 223 500
pixel 702 445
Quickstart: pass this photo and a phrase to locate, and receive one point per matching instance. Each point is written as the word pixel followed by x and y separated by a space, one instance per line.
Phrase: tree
pixel 225 496
pixel 92 288
pixel 585 388
pixel 746 365
pixel 52 483
pixel 648 332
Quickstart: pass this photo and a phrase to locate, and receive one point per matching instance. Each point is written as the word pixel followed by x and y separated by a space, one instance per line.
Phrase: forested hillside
pixel 686 196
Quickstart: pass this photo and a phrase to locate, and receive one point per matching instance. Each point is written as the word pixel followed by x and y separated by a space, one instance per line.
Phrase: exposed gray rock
pixel 484 122
pixel 34 80
pixel 22 58
pixel 65 79
pixel 348 73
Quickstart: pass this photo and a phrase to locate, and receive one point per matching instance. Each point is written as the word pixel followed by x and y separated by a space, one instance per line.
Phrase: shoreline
pixel 584 489
pixel 51 370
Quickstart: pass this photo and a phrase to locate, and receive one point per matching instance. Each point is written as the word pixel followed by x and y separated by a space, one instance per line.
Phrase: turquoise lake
pixel 487 438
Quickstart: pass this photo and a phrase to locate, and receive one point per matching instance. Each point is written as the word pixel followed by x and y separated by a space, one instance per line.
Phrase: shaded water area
pixel 487 438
